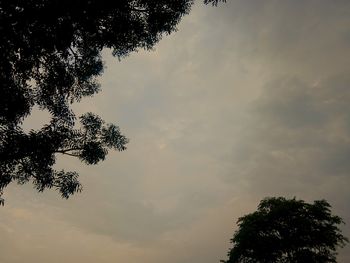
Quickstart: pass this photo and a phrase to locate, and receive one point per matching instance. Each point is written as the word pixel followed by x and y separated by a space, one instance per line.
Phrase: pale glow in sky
pixel 246 100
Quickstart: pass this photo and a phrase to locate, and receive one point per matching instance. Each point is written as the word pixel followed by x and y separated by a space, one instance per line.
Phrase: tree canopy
pixel 288 231
pixel 51 57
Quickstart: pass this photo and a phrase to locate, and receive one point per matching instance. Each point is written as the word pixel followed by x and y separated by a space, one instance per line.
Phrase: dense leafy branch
pixel 50 56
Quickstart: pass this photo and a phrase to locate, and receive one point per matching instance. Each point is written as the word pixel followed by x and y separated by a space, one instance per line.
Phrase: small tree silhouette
pixel 288 231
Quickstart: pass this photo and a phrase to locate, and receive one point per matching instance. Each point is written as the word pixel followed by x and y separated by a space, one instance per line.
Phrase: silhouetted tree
pixel 50 57
pixel 288 231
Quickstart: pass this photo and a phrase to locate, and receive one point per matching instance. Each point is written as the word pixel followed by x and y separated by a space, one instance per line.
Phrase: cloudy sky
pixel 246 100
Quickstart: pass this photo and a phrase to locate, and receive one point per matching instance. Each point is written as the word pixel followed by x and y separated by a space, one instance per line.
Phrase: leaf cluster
pixel 22 162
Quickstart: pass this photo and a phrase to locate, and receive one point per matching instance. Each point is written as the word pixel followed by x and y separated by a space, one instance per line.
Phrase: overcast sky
pixel 244 101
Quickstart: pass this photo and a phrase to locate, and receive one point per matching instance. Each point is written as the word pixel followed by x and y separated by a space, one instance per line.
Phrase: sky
pixel 246 100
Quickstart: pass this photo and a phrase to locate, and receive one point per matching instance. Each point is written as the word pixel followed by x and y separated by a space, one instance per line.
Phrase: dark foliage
pixel 288 231
pixel 50 57
pixel 213 2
